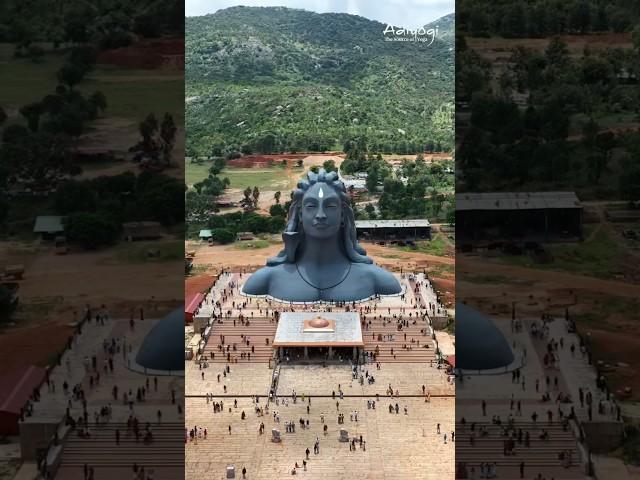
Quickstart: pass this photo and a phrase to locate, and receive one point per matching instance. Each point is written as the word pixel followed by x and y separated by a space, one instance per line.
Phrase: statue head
pixel 320 208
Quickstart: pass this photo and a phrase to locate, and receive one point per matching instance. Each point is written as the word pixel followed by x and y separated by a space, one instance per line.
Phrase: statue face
pixel 321 211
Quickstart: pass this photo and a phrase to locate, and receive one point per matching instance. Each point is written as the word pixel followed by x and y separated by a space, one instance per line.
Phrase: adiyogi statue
pixel 322 259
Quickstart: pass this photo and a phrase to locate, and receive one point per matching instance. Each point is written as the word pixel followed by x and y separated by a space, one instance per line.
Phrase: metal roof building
pixel 48 225
pixel 516 201
pixel 393 230
pixel 527 217
pixel 16 388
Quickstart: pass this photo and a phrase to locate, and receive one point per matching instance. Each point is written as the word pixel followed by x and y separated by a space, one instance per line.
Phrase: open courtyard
pixel 394 401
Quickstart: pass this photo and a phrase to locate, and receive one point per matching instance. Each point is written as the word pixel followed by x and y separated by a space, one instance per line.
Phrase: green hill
pixel 279 79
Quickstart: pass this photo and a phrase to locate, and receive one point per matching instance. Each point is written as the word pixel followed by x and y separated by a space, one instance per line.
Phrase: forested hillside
pixel 277 79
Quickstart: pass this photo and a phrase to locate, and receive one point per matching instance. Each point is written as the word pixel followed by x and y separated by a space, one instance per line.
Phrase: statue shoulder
pixel 386 282
pixel 258 282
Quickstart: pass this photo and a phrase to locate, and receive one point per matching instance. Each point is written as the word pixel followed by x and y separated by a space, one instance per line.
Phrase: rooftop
pixel 344 331
pixel 16 387
pixel 48 224
pixel 516 201
pixel 421 223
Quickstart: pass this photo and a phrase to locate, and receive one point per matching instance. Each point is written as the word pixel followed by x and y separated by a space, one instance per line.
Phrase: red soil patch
pixel 150 54
pixel 258 161
pixel 613 347
pixel 197 284
pixel 36 345
pixel 612 39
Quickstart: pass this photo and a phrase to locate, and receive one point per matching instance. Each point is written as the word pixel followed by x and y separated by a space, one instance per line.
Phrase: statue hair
pixel 293 235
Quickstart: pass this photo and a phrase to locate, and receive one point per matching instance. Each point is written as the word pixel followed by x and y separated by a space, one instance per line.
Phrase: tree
pixel 315 168
pixel 635 37
pixel 149 147
pixel 4 209
pixel 70 74
pixel 38 159
pixel 223 235
pixel 7 302
pixel 277 210
pixel 32 113
pixel 372 179
pixel 91 230
pixel 256 195
pixel 277 196
pixel 163 201
pixel 557 52
pixel 266 143
pixel 371 210
pixel 99 101
pixel 580 16
pixel 168 131
pixel 330 166
pixel 197 205
pixel 217 166
pixel 84 56
pixel 74 197
pixel 247 202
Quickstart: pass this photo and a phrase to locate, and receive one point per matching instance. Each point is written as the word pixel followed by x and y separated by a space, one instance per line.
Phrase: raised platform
pixel 318 329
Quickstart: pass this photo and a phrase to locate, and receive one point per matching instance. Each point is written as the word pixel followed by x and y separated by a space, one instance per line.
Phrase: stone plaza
pixel 536 416
pixel 101 415
pixel 391 395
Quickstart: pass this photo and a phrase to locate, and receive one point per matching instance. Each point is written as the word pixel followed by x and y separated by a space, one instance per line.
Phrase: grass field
pixel 251 245
pixel 130 93
pixel 599 257
pixel 138 252
pixel 436 246
pixel 605 121
pixel 274 178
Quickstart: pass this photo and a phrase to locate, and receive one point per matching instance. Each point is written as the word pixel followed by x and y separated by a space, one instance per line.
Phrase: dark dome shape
pixel 480 345
pixel 163 347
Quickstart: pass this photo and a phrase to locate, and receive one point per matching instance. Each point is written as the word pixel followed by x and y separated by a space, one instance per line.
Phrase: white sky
pixel 402 13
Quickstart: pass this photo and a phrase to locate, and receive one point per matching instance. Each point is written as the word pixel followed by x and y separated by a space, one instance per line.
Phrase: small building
pixel 225 202
pixel 192 306
pixel 141 231
pixel 93 154
pixel 319 336
pixel 527 217
pixel 245 236
pixel 393 230
pixel 49 226
pixel 205 235
pixel 355 183
pixel 16 389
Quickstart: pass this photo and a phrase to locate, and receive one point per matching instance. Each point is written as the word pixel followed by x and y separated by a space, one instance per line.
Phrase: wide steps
pixel 100 449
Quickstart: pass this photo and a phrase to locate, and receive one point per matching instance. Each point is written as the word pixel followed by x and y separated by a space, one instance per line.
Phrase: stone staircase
pixel 417 353
pixel 259 329
pixel 100 450
pixel 540 457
